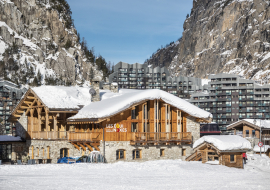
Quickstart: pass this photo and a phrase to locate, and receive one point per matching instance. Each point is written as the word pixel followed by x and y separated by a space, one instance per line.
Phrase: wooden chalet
pixel 224 150
pixel 250 128
pixel 56 124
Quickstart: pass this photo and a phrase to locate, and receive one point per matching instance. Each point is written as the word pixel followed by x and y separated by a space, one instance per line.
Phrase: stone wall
pixel 194 127
pixel 21 126
pixel 147 152
pixel 54 149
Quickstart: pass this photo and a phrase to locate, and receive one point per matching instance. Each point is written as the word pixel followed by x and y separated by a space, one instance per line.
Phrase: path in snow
pixel 167 174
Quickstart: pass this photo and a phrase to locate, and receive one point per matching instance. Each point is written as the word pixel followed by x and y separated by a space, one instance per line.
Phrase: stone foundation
pixel 147 152
pixel 54 149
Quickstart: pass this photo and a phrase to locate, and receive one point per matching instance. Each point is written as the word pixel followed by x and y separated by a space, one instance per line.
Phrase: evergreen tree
pixel 39 78
pixel 92 74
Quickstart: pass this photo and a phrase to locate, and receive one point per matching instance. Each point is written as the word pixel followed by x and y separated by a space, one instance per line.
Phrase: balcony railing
pixel 90 137
pixel 65 135
pixel 162 137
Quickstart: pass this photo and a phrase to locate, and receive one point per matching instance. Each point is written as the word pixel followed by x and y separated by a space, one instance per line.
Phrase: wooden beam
pixel 76 146
pixel 83 147
pixel 27 102
pixel 95 146
pixel 19 111
pixel 17 115
pixel 24 107
pixel 31 97
pixel 89 147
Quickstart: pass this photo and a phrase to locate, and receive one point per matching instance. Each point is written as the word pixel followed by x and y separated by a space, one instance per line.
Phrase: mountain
pixel 40 45
pixel 164 55
pixel 229 36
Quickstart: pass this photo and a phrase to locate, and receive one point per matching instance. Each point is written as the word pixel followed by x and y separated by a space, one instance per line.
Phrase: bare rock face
pixel 38 34
pixel 230 36
pixel 164 56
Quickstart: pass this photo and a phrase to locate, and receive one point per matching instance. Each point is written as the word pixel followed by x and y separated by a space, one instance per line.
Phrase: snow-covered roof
pixel 225 142
pixel 258 122
pixel 4 138
pixel 121 101
pixel 62 97
pixel 264 147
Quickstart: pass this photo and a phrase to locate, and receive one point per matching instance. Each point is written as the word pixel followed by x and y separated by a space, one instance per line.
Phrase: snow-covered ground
pixel 163 174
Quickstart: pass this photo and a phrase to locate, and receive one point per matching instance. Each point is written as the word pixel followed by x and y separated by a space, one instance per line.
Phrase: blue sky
pixel 129 31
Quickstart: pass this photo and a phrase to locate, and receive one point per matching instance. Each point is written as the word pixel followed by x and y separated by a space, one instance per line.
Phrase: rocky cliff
pixel 230 36
pixel 164 56
pixel 39 43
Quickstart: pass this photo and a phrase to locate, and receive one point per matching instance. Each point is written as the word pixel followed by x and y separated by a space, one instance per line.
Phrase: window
pixel 134 127
pixel 136 154
pixel 162 152
pixel 64 152
pixel 253 133
pixel 133 114
pixel 48 152
pixel 247 133
pixel 232 158
pixel 183 152
pixel 120 154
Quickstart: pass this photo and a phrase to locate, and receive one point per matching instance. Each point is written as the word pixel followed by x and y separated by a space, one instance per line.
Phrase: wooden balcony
pixel 48 135
pixel 65 135
pixel 160 138
pixel 85 137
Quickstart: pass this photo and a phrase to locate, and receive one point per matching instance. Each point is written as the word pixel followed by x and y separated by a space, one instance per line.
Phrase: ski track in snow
pixel 162 174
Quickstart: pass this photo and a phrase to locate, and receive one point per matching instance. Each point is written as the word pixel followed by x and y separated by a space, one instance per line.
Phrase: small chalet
pixel 227 150
pixel 250 129
pixel 126 125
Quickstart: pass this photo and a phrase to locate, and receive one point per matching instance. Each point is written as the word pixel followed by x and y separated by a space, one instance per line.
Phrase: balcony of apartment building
pixel 122 75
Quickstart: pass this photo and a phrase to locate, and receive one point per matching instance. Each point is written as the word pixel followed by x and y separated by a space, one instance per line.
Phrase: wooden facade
pixel 250 130
pixel 208 152
pixel 149 122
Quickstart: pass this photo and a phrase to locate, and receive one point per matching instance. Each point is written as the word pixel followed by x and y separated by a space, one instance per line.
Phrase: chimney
pixel 94 91
pixel 114 87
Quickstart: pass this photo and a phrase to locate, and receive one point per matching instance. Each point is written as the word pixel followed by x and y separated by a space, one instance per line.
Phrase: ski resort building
pixel 224 150
pixel 130 125
pixel 10 95
pixel 141 76
pixel 231 98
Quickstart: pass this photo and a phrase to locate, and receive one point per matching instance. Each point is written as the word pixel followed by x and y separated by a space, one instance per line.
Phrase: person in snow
pixel 244 157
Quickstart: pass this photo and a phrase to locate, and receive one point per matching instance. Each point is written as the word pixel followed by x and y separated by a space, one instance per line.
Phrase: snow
pixel 225 142
pixel 4 138
pixel 205 81
pixel 26 42
pixel 124 100
pixel 151 175
pixel 264 147
pixel 63 97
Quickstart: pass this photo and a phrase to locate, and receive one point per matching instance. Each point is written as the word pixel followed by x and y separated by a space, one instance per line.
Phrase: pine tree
pixel 39 78
pixel 92 74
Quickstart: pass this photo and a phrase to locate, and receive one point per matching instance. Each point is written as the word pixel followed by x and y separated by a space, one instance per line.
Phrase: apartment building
pixel 231 98
pixel 10 95
pixel 141 76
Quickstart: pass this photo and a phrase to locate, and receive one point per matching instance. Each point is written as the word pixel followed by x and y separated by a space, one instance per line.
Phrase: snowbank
pixel 257 148
pixel 63 97
pixel 121 102
pixel 259 163
pixel 4 138
pixel 225 142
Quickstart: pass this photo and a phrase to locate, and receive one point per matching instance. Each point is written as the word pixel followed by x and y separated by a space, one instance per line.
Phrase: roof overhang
pixel 241 123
